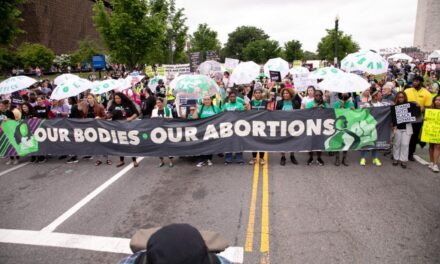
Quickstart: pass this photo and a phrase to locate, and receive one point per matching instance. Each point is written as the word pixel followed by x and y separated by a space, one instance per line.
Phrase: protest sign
pixel 230 64
pixel 212 55
pixel 280 131
pixel 149 71
pixel 297 63
pixel 431 126
pixel 405 113
pixel 275 76
pixel 195 59
pixel 177 69
pixel 303 81
pixel 160 71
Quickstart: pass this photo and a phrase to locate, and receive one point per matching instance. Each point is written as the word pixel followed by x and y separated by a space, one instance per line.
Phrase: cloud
pixel 373 24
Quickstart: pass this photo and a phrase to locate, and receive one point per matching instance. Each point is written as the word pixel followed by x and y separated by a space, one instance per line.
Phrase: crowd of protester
pixel 403 83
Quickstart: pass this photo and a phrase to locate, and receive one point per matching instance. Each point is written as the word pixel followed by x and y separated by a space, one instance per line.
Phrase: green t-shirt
pixel 312 104
pixel 287 106
pixel 205 111
pixel 232 107
pixel 347 105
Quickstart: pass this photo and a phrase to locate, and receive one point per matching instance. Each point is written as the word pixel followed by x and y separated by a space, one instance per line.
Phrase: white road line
pixel 85 242
pixel 52 226
pixel 420 160
pixel 13 168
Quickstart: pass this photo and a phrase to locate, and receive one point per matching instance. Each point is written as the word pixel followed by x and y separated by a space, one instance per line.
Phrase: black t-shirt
pixel 27 115
pixel 91 112
pixel 120 112
pixel 42 111
pixel 7 114
pixel 148 106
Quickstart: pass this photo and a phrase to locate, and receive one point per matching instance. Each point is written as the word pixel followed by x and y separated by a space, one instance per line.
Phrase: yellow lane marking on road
pixel 251 222
pixel 265 245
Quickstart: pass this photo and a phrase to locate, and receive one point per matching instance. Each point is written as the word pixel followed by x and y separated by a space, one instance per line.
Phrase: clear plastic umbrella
pixel 194 86
pixel 344 83
pixel 207 67
pixel 100 87
pixel 299 71
pixel 325 72
pixel 365 61
pixel 244 73
pixel 277 64
pixel 152 84
pixel 14 84
pixel 64 77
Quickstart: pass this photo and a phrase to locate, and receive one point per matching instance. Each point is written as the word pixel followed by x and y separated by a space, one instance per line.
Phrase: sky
pixel 374 24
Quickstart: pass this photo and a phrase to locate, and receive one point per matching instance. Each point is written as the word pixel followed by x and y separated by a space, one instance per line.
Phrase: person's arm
pixel 134 111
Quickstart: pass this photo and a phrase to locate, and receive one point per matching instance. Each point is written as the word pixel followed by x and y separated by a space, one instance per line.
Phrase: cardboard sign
pixel 231 63
pixel 195 59
pixel 177 69
pixel 431 126
pixel 275 76
pixel 406 113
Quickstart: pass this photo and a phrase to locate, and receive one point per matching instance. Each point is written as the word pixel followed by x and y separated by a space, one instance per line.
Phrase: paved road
pixel 291 214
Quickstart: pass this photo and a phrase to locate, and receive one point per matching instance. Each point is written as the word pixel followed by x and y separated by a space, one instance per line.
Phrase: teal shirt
pixel 232 107
pixel 287 106
pixel 347 105
pixel 205 112
pixel 312 104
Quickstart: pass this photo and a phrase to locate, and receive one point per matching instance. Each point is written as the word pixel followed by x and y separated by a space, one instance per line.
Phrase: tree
pixel 8 60
pixel 293 50
pixel 86 49
pixel 309 55
pixel 9 20
pixel 178 32
pixel 62 61
pixel 33 55
pixel 204 39
pixel 131 32
pixel 261 50
pixel 240 38
pixel 326 47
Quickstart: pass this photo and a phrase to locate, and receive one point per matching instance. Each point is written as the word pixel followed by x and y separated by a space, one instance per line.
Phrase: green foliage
pixel 9 20
pixel 308 55
pixel 326 47
pixel 204 39
pixel 293 51
pixel 8 59
pixel 178 33
pixel 62 61
pixel 33 55
pixel 131 32
pixel 240 38
pixel 86 49
pixel 261 50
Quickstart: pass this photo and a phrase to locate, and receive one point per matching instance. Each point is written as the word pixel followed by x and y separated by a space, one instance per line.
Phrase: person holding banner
pixel 423 99
pixel 258 104
pixel 310 96
pixel 122 108
pixel 434 148
pixel 318 102
pixel 207 109
pixel 344 102
pixel 162 110
pixel 290 102
pixel 402 135
pixel 233 105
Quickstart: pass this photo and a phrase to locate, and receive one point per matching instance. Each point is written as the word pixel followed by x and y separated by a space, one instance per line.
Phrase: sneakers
pixel 363 162
pixel 9 162
pixel 262 161
pixel 283 161
pixel 15 162
pixel 72 160
pixel 344 162
pixel 201 164
pixel 337 161
pixel 252 162
pixel 310 161
pixel 293 159
pixel 377 162
pixel 395 162
pixel 209 162
pixel 33 159
pixel 435 168
pixel 320 162
pixel 42 160
pixel 430 165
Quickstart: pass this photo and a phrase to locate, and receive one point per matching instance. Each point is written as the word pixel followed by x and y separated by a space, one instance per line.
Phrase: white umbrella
pixel 244 73
pixel 14 84
pixel 325 72
pixel 100 87
pixel 71 87
pixel 277 64
pixel 299 71
pixel 207 67
pixel 64 77
pixel 365 61
pixel 344 83
pixel 400 56
pixel 129 81
pixel 152 84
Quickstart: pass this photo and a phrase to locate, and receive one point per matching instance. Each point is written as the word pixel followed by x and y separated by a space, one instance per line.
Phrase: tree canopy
pixel 33 55
pixel 261 50
pixel 326 47
pixel 240 38
pixel 204 39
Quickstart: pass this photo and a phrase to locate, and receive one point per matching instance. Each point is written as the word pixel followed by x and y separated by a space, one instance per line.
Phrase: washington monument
pixel 427 31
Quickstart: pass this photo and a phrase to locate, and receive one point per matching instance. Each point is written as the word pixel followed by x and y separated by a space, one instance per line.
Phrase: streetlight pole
pixel 336 41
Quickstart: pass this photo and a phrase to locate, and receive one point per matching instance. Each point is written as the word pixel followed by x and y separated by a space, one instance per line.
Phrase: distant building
pixel 58 24
pixel 427 31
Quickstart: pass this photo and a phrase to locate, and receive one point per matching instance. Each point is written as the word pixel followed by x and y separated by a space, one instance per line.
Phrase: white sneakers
pixel 433 167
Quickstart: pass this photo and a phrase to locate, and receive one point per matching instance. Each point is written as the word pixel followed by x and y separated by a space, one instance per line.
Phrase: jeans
pixel 365 152
pixel 238 157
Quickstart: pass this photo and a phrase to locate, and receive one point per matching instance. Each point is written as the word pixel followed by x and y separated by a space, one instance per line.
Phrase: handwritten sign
pixel 431 126
pixel 405 113
pixel 275 76
pixel 230 64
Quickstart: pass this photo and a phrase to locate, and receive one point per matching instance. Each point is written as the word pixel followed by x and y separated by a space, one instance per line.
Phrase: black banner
pixel 299 130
